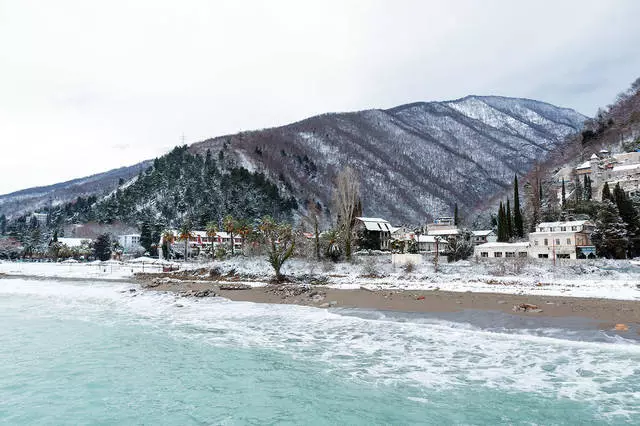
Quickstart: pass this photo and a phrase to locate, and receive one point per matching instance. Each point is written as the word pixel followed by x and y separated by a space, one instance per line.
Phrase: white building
pixel 562 240
pixel 501 250
pixel 73 242
pixel 198 241
pixel 484 236
pixel 129 242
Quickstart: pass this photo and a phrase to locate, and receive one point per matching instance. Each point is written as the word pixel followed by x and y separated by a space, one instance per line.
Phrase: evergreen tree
pixel 502 225
pixel 586 188
pixel 517 213
pixel 610 235
pixel 579 191
pixel 146 239
pixel 629 216
pixel 509 220
pixel 606 193
pixel 102 247
pixel 3 225
pixel 540 193
pixel 564 195
pixel 455 214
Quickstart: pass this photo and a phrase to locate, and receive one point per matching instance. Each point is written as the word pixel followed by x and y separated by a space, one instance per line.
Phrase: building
pixel 484 236
pixel 74 242
pixel 129 242
pixel 497 250
pixel 376 232
pixel 562 240
pixel 198 241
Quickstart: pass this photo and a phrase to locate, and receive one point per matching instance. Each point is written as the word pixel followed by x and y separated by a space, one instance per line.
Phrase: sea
pixel 105 353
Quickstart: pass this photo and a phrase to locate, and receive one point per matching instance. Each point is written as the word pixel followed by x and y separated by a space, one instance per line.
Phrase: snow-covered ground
pixel 607 279
pixel 76 270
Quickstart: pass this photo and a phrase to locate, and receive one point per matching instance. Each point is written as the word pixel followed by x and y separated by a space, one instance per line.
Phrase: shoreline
pixel 606 313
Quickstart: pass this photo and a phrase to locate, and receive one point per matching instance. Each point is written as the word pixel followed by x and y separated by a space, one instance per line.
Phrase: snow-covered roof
pixel 556 224
pixel 503 245
pixel 594 157
pixel 376 224
pixel 440 232
pixel 72 242
pixel 585 165
pixel 482 233
pixel 626 167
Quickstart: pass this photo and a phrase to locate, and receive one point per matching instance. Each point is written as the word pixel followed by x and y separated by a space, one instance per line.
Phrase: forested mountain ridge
pixel 415 161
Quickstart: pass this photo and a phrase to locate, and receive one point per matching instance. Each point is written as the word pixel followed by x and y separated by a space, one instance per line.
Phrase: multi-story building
pixel 562 240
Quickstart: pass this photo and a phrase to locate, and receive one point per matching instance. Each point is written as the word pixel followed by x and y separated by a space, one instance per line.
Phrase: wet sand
pixel 606 312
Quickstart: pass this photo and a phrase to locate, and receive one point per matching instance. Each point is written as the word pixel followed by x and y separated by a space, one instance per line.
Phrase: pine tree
pixel 502 225
pixel 564 195
pixel 455 214
pixel 102 247
pixel 629 216
pixel 3 225
pixel 587 188
pixel 146 239
pixel 606 193
pixel 610 235
pixel 509 221
pixel 579 190
pixel 517 213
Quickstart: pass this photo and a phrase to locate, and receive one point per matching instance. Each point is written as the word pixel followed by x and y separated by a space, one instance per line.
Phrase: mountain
pixel 414 161
pixel 32 199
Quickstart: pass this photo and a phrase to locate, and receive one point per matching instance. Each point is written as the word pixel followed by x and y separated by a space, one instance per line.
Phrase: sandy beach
pixel 606 312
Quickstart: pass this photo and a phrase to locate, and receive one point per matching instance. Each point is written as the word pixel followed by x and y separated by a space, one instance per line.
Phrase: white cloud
pixel 81 80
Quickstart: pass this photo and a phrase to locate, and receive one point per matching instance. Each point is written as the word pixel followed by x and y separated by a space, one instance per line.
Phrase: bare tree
pixel 280 240
pixel 313 219
pixel 346 199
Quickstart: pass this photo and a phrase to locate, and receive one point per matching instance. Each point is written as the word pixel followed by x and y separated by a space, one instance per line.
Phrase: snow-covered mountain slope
pixel 416 160
pixel 31 199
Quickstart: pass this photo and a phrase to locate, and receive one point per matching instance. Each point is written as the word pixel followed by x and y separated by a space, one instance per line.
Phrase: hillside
pixel 415 161
pixel 28 200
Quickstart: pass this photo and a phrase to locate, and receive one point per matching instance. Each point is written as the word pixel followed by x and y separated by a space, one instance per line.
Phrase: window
pixel 557 241
pixel 535 242
pixel 510 254
pixel 497 254
pixel 574 228
pixel 563 228
pixel 546 242
pixel 484 254
pixel 522 254
pixel 543 256
pixel 568 241
pixel 563 256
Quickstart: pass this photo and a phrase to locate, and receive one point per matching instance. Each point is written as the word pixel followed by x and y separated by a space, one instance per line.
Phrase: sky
pixel 89 86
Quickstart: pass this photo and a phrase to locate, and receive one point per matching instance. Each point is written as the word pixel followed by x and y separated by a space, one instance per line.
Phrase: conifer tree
pixel 564 195
pixel 509 221
pixel 579 190
pixel 517 213
pixel 606 193
pixel 610 235
pixel 502 225
pixel 455 214
pixel 587 188
pixel 629 216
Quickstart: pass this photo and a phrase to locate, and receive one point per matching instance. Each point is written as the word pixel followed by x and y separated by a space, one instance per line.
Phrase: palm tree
pixel 230 226
pixel 212 231
pixel 168 238
pixel 186 233
pixel 243 228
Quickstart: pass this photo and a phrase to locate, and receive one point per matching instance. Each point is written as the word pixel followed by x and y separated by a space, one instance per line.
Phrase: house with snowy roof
pixel 484 236
pixel 375 233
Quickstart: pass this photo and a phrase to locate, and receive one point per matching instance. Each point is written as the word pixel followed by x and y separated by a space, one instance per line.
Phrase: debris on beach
pixel 621 327
pixel 526 307
pixel 420 298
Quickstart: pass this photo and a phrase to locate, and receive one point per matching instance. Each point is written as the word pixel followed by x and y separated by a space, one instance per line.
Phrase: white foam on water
pixel 427 354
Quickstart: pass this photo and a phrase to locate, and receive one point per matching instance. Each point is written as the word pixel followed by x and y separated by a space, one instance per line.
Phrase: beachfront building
pixel 375 233
pixel 74 242
pixel 562 240
pixel 198 242
pixel 496 250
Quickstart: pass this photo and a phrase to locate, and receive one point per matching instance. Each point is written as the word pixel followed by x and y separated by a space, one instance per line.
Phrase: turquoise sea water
pixel 96 353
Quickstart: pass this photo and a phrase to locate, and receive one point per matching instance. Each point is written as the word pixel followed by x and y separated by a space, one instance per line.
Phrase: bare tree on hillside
pixel 346 199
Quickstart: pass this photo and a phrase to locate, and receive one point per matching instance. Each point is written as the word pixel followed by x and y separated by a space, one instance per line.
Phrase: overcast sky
pixel 88 86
